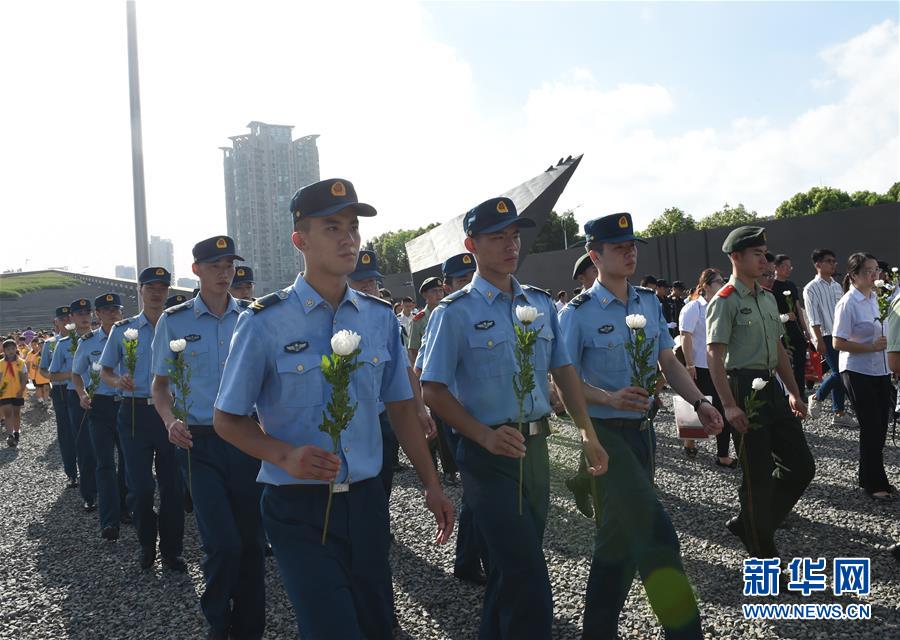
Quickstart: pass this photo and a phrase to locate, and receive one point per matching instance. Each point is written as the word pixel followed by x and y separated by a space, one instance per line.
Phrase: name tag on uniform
pixel 484 325
pixel 95 353
pixel 296 347
pixel 746 311
pixel 607 328
pixel 340 487
pixel 192 338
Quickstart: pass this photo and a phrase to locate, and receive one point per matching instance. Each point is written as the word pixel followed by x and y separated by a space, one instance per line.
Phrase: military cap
pixel 581 265
pixel 429 283
pixel 612 229
pixel 744 238
pixel 662 283
pixel 62 312
pixel 678 284
pixel 458 265
pixel 82 304
pixel 327 197
pixel 493 215
pixel 155 274
pixel 107 300
pixel 366 267
pixel 242 275
pixel 177 299
pixel 212 249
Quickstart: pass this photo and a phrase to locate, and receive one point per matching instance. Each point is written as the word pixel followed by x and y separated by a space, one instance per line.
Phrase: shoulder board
pixel 645 290
pixel 265 302
pixel 187 304
pixel 418 316
pixel 580 299
pixel 529 287
pixel 376 298
pixel 244 304
pixel 64 338
pixel 456 295
pixel 122 323
pixel 726 291
pixel 90 334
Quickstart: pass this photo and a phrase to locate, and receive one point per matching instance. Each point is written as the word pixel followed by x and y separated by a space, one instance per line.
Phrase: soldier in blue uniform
pixel 220 478
pixel 61 371
pixel 470 562
pixel 634 532
pixel 102 407
pixel 340 589
pixel 242 284
pixel 146 439
pixel 64 435
pixel 472 345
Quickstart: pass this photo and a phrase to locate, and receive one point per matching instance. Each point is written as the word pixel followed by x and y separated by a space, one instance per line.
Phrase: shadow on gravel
pixel 8 454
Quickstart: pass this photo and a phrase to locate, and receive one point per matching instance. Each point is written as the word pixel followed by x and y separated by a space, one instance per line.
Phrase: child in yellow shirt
pixel 12 390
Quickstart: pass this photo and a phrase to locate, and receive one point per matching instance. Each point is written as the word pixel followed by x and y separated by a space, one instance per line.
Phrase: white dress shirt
pixel 856 320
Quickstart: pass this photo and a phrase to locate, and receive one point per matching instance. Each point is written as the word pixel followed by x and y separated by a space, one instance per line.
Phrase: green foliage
pixel 523 382
pixel 893 193
pixel 643 366
pixel 728 216
pixel 870 198
pixel 672 220
pixel 816 200
pixel 551 236
pixel 13 286
pixel 390 247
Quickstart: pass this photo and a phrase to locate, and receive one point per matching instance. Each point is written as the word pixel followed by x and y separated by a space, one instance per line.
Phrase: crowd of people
pixel 277 421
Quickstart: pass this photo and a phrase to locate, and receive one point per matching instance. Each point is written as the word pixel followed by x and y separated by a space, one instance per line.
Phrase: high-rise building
pixel 125 272
pixel 188 283
pixel 162 254
pixel 263 169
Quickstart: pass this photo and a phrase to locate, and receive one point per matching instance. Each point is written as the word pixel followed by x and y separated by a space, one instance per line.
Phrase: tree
pixel 672 220
pixel 893 193
pixel 551 236
pixel 727 217
pixel 870 198
pixel 816 200
pixel 390 247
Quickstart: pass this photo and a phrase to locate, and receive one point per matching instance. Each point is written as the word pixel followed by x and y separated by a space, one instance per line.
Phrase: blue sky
pixel 720 59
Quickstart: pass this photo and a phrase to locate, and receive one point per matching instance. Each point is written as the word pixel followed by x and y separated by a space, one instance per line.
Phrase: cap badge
pixel 221 243
pixel 502 208
pixel 109 298
pixel 338 190
pixel 623 222
pixel 467 260
pixel 160 272
pixel 366 258
pixel 240 272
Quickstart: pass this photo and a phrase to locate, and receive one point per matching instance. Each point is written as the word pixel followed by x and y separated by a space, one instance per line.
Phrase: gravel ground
pixel 59 579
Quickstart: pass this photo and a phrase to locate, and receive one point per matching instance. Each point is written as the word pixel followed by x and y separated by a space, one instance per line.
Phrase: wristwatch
pixel 702 400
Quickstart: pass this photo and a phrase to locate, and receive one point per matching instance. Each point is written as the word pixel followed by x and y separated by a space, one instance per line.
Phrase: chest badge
pixel 484 325
pixel 746 311
pixel 607 328
pixel 296 347
pixel 192 338
pixel 96 353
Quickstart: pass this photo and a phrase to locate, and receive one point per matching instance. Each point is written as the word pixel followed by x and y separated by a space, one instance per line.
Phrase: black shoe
pixel 889 497
pixel 895 551
pixel 89 506
pixel 582 496
pixel 475 577
pixel 148 556
pixel 16 435
pixel 110 533
pixel 268 552
pixel 175 563
pixel 736 527
pixel 731 465
pixel 125 518
pixel 188 502
pixel 10 441
pixel 691 452
pixel 72 483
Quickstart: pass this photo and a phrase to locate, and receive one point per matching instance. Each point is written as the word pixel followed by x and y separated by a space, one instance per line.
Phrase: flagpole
pixel 137 147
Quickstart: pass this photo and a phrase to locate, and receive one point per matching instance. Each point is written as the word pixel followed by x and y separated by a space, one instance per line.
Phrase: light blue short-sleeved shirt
pixel 274 366
pixel 471 342
pixel 113 355
pixel 47 350
pixel 88 352
pixel 61 362
pixel 208 340
pixel 593 328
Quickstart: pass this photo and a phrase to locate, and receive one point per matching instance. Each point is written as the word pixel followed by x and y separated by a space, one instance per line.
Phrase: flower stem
pixel 327 511
pixel 521 475
pixel 132 416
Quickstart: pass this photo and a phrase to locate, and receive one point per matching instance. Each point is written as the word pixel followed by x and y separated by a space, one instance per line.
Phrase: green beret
pixel 430 283
pixel 744 238
pixel 581 265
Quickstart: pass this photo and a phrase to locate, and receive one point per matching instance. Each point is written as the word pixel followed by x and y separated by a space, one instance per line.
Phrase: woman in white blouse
pixel 861 343
pixel 692 325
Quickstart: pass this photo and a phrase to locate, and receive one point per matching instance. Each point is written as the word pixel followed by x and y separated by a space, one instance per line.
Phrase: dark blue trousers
pixel 389 450
pixel 832 383
pixel 222 482
pixel 111 491
pixel 518 604
pixel 84 449
pixel 64 431
pixel 147 449
pixel 634 533
pixel 471 555
pixel 340 589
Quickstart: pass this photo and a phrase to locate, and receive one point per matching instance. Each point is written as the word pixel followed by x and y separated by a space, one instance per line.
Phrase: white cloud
pixel 399 114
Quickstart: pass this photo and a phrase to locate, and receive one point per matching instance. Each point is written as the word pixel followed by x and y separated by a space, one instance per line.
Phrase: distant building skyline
pixel 262 170
pixel 126 272
pixel 162 253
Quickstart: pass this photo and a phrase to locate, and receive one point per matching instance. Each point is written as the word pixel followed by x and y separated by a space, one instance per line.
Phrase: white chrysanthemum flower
pixel 759 384
pixel 96 367
pixel 345 342
pixel 879 283
pixel 784 317
pixel 70 327
pixel 131 334
pixel 177 346
pixel 527 315
pixel 786 294
pixel 635 321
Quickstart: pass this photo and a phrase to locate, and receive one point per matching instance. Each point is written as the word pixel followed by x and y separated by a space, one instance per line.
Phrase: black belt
pixel 339 487
pixel 765 374
pixel 104 396
pixel 201 430
pixel 138 401
pixel 622 423
pixel 534 428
